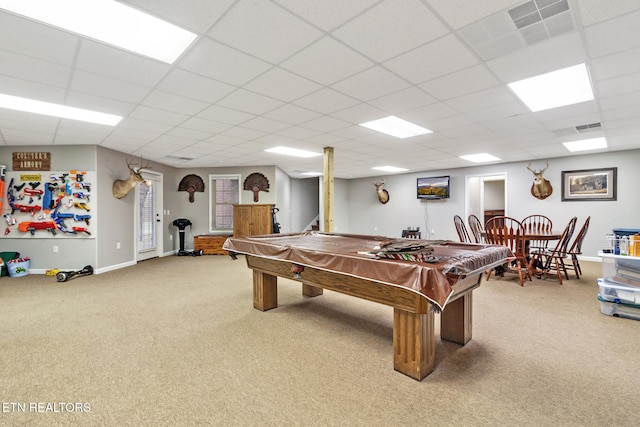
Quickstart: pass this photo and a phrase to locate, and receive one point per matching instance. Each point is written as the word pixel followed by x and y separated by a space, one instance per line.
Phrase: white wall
pixel 366 215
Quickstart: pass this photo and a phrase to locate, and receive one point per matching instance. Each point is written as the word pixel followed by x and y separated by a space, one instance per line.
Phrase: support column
pixel 327 183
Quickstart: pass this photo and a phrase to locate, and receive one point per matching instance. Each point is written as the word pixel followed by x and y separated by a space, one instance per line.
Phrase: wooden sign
pixel 31 161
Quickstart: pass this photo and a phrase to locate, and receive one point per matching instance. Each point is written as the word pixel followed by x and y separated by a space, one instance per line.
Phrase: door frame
pixel 157 177
pixel 475 208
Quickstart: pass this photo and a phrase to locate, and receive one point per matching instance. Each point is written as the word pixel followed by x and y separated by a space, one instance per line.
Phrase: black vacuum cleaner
pixel 182 224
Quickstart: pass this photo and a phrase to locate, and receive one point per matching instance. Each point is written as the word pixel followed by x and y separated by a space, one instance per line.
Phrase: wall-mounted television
pixel 434 188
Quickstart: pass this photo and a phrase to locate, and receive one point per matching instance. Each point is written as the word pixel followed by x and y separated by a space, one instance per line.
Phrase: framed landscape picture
pixel 589 184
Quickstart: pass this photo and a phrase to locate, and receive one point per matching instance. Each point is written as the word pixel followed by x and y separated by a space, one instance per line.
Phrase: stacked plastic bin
pixel 619 288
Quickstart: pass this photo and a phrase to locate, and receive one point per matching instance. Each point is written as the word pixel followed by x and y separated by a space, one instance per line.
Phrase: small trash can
pixel 18 267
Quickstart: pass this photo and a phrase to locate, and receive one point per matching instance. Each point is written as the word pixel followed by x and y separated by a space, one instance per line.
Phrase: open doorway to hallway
pixel 486 195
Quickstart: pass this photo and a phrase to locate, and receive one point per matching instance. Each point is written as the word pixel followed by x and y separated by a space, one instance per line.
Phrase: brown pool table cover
pixel 356 255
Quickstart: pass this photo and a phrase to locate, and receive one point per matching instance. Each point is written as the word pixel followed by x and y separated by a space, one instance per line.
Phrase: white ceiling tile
pixel 325 124
pixel 174 103
pixel 249 102
pixel 462 12
pixel 613 36
pixel 194 86
pixel 224 115
pixel 369 32
pixel 264 30
pixel 593 11
pixel 34 70
pixel 96 84
pixel 617 85
pixel 360 113
pixel 419 65
pixel 298 132
pixel 36 40
pixel 498 95
pixel 326 101
pixel 28 89
pixel 119 64
pixel 327 61
pixel 461 82
pixel 203 125
pixel 211 59
pixel 264 124
pixel 326 14
pixel 186 134
pixel 292 114
pixel 200 108
pixel 558 52
pixel 281 84
pixel 142 112
pixel 615 65
pixel 371 83
pixel 403 100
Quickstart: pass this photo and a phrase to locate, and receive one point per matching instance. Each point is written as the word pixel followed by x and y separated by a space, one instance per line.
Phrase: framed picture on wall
pixel 589 184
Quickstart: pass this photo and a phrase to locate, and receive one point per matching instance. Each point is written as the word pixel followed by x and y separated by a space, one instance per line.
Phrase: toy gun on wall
pixel 81 195
pixel 84 218
pixel 11 198
pixel 33 192
pixel 26 208
pixel 32 227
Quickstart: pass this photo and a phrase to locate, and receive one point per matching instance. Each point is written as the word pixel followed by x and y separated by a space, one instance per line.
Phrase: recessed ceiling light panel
pixel 389 169
pixel 57 110
pixel 586 144
pixel 292 152
pixel 480 158
pixel 395 126
pixel 110 22
pixel 555 89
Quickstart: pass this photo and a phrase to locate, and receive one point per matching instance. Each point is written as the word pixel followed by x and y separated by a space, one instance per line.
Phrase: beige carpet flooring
pixel 175 342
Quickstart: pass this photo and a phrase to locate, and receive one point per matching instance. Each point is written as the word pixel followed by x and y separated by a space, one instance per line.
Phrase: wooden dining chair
pixel 576 247
pixel 537 224
pixel 463 234
pixel 476 228
pixel 552 260
pixel 509 232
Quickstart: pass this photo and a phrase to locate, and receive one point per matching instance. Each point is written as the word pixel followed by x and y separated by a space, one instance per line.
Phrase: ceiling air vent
pixel 576 130
pixel 537 10
pixel 588 128
pixel 509 30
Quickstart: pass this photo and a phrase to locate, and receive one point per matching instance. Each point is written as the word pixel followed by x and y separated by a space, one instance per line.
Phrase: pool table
pixel 418 278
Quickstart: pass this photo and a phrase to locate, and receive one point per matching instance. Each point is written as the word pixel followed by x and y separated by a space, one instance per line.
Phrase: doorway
pixel 486 195
pixel 149 223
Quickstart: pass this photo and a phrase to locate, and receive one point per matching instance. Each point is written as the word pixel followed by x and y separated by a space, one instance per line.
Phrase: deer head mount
pixel 541 188
pixel 383 195
pixel 121 187
pixel 256 182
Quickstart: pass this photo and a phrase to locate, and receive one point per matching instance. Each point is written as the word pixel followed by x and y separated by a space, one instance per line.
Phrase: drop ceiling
pixel 305 73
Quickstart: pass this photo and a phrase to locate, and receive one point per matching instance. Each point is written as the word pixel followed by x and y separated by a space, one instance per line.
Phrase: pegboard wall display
pixel 49 204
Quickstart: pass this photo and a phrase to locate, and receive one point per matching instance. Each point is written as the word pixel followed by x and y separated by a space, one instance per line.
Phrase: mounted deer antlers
pixel 541 188
pixel 122 187
pixel 383 195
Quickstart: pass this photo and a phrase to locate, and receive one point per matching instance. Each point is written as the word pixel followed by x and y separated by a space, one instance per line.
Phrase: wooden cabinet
pixel 210 244
pixel 251 220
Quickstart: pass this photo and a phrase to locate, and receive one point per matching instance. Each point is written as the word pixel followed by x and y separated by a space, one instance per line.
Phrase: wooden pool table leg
pixel 455 320
pixel 311 291
pixel 413 343
pixel 265 291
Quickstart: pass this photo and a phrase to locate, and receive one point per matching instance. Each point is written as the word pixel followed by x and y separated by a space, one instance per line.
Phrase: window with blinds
pixel 147 235
pixel 224 192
